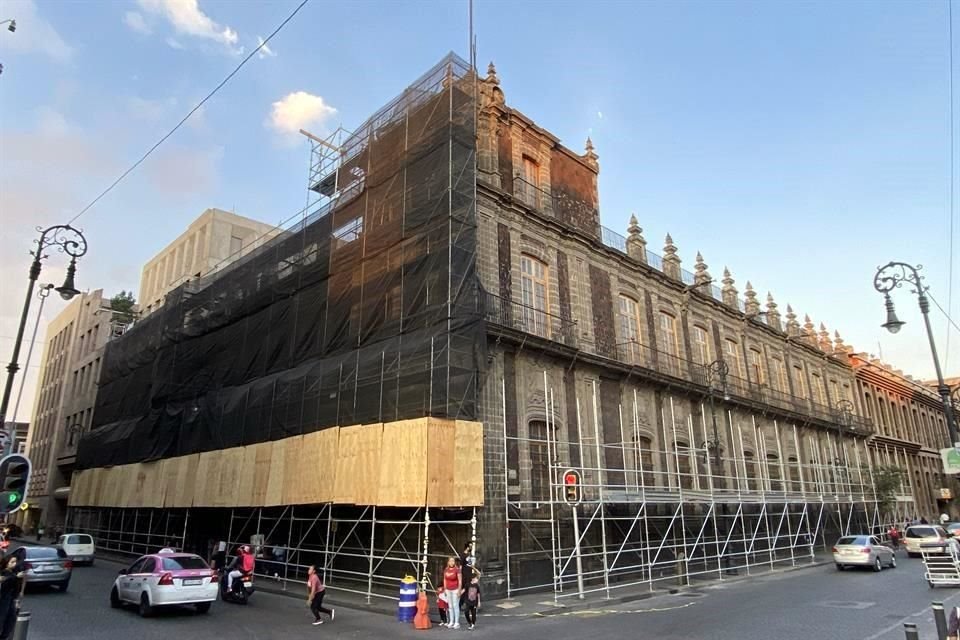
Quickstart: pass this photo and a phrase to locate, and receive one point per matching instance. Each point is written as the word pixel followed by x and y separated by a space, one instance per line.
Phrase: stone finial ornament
pixel 636 245
pixel 793 327
pixel 773 315
pixel 671 261
pixel 492 74
pixel 825 343
pixel 838 345
pixel 728 291
pixel 700 273
pixel 590 154
pixel 751 304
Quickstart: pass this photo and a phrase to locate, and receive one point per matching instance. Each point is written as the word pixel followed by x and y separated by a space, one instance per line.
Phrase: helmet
pixel 245 548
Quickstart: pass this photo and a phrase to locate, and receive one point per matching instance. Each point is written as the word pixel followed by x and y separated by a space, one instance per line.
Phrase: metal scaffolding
pixel 668 514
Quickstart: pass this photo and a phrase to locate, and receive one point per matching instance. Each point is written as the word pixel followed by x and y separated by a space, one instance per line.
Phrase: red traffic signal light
pixel 571 487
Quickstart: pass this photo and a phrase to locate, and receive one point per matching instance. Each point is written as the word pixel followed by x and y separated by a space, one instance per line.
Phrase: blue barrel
pixel 407 607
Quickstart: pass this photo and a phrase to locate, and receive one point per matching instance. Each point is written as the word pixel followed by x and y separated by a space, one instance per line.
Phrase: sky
pixel 800 144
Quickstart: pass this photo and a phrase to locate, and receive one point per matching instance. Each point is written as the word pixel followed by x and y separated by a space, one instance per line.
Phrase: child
pixel 473 600
pixel 442 606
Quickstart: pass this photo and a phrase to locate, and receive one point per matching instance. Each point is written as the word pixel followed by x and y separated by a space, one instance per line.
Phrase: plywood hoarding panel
pixel 294 487
pixel 77 489
pixel 186 486
pixel 347 451
pixel 403 464
pixel 154 485
pixel 274 495
pixel 96 487
pixel 263 459
pixel 366 480
pixel 231 467
pixel 318 463
pixel 441 438
pixel 170 472
pixel 468 464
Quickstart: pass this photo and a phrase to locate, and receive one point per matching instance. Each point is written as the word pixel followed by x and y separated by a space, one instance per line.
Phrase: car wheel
pixel 145 608
pixel 839 567
pixel 115 599
pixel 877 565
pixel 203 607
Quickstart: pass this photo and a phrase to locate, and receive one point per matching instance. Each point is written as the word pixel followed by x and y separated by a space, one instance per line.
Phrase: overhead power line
pixel 945 314
pixel 190 113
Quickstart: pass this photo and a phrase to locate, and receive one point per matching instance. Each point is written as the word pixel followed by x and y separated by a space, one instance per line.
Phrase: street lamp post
pixel 846 409
pixel 891 276
pixel 70 241
pixel 717 372
pixel 43 294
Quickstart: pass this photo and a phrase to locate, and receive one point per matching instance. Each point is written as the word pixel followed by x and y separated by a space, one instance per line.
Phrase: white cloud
pixel 174 44
pixel 150 110
pixel 187 19
pixel 136 22
pixel 299 110
pixel 34 34
pixel 265 50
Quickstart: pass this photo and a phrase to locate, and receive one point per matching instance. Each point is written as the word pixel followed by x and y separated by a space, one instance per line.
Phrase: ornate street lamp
pixel 65 239
pixel 892 276
pixel 717 372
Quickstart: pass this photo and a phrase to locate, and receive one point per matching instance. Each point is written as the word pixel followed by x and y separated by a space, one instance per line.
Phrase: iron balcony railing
pixel 527 319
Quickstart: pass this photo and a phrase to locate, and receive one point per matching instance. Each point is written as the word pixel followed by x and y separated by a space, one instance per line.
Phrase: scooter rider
pixel 243 563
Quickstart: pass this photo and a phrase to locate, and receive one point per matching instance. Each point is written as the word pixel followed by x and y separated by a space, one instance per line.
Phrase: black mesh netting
pixel 367 311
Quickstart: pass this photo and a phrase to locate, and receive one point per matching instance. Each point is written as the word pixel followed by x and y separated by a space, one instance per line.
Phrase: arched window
pixel 701 345
pixel 750 466
pixel 778 375
pixel 731 353
pixel 819 392
pixel 684 468
pixel 799 388
pixel 534 292
pixel 630 335
pixel 756 367
pixel 773 472
pixel 645 461
pixel 667 343
pixel 794 470
pixel 539 461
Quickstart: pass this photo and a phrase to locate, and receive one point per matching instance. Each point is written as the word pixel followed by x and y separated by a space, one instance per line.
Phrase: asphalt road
pixel 809 604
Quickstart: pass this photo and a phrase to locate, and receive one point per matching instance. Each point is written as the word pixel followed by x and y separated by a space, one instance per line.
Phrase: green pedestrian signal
pixel 14 476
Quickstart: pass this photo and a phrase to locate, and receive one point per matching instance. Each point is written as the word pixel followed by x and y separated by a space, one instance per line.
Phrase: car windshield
pixel 79 538
pixel 953 527
pixel 921 532
pixel 858 540
pixel 43 553
pixel 178 563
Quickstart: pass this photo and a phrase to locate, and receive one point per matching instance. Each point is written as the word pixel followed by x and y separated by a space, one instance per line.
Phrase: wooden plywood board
pixel 245 480
pixel 134 478
pixel 263 459
pixel 347 451
pixel 186 485
pixel 274 494
pixel 441 436
pixel 77 489
pixel 170 473
pixel 153 485
pixel 95 494
pixel 228 483
pixel 468 464
pixel 403 464
pixel 294 487
pixel 366 481
pixel 318 462
pixel 111 487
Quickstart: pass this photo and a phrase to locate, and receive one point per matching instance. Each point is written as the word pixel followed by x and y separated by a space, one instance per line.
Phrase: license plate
pixel 248 584
pixel 192 582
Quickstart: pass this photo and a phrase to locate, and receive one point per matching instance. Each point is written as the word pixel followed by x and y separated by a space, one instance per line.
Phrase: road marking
pixel 899 623
pixel 590 612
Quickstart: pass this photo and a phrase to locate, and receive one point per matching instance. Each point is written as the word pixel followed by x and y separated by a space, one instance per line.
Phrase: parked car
pixel 45 565
pixel 920 534
pixel 863 551
pixel 160 580
pixel 954 529
pixel 79 547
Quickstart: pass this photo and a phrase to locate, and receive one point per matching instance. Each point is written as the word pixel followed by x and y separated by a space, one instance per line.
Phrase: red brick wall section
pixel 574 196
pixel 600 296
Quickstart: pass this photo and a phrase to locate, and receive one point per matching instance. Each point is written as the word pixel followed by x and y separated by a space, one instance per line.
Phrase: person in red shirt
pixel 244 563
pixel 452 583
pixel 316 589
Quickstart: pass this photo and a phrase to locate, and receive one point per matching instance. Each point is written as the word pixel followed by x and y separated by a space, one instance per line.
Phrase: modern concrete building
pixel 64 402
pixel 458 269
pixel 216 238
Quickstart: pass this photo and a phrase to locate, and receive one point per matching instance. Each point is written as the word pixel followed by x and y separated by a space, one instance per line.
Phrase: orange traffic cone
pixel 422 619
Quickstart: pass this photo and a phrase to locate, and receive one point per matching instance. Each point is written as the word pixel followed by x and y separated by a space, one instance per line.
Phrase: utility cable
pixel 190 113
pixel 947 316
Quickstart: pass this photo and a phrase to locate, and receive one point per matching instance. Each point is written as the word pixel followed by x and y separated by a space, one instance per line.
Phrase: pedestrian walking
pixel 894 537
pixel 452 586
pixel 10 590
pixel 316 590
pixel 472 597
pixel 953 625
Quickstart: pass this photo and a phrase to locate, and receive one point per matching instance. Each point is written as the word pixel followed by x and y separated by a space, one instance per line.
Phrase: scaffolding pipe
pixel 600 465
pixel 551 486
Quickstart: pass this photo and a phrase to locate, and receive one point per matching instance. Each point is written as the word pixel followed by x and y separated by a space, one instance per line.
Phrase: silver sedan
pixel 863 551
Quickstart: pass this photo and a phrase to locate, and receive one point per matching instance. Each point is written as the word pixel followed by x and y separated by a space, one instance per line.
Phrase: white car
pixel 920 534
pixel 166 579
pixel 79 547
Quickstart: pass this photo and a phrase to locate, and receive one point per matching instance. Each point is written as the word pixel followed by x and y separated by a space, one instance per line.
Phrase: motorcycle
pixel 242 587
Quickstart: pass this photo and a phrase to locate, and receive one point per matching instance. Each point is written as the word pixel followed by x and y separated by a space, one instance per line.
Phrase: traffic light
pixel 14 475
pixel 571 487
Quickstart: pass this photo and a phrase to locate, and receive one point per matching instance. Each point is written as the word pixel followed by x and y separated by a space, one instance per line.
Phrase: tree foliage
pixel 887 481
